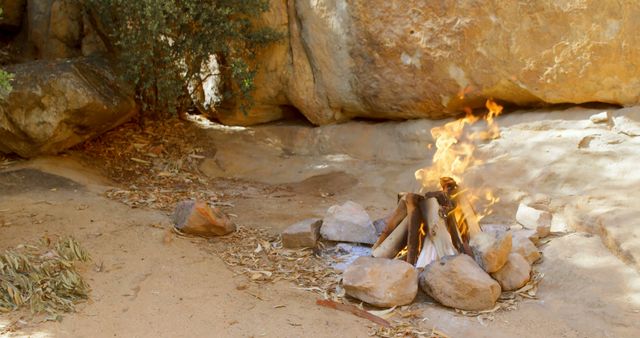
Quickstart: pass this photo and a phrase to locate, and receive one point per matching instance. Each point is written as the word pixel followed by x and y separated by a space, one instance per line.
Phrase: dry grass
pixel 43 277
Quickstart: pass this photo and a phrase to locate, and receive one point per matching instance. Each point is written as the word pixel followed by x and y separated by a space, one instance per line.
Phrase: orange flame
pixel 455 147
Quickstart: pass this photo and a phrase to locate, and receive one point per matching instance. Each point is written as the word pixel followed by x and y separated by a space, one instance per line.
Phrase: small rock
pixel 458 282
pixel 532 235
pixel 303 234
pixel 197 218
pixel 604 117
pixel 379 225
pixel 491 249
pixel 381 282
pixel 534 219
pixel 348 223
pixel 514 274
pixel 525 247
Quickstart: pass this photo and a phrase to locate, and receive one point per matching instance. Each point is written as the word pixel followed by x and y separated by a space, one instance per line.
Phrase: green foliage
pixel 5 79
pixel 163 45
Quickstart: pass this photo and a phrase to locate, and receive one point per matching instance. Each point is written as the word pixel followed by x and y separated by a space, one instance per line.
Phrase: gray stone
pixel 381 282
pixel 491 248
pixel 514 274
pixel 348 223
pixel 303 234
pixel 525 247
pixel 458 282
pixel 56 105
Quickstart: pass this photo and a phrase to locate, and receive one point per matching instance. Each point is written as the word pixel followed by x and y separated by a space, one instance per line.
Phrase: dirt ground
pixel 271 176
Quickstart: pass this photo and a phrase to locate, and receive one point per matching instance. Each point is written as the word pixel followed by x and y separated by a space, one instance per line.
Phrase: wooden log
pixel 413 230
pixel 438 233
pixel 391 245
pixel 353 310
pixel 393 221
pixel 456 224
pixel 437 243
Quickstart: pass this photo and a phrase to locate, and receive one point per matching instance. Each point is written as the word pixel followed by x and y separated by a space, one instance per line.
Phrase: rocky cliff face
pixel 412 59
pixel 60 95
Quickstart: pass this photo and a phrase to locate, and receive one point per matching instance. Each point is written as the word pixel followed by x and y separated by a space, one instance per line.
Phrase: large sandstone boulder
pixel 408 59
pixel 12 12
pixel 381 282
pixel 61 29
pixel 55 105
pixel 458 282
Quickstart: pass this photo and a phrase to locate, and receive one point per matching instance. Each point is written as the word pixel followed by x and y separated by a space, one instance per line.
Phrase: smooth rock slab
pixel 303 234
pixel 514 274
pixel 56 105
pixel 381 282
pixel 491 249
pixel 348 223
pixel 458 282
pixel 198 218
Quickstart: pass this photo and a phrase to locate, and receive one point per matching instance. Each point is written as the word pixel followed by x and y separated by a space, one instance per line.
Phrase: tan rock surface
pixel 381 282
pixel 458 282
pixel 491 249
pixel 514 274
pixel 55 105
pixel 408 59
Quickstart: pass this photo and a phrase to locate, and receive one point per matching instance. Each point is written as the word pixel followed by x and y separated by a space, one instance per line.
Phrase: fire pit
pixel 435 237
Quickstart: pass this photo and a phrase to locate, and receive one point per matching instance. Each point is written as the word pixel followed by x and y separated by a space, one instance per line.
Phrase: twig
pixel 353 310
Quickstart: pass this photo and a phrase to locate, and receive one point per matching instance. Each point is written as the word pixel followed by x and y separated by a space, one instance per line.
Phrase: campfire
pixel 428 226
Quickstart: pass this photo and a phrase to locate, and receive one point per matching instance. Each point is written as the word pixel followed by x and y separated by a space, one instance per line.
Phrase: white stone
pixel 348 223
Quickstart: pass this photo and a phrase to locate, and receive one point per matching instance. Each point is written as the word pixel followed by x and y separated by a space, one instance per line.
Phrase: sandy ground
pixel 145 287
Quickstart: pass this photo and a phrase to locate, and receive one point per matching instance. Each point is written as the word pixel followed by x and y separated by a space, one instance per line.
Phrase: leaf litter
pixel 158 165
pixel 42 278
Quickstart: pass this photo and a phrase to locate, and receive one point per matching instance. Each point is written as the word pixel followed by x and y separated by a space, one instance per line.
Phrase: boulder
pixel 381 282
pixel 491 249
pixel 525 247
pixel 348 223
pixel 514 274
pixel 395 60
pixel 12 12
pixel 198 218
pixel 534 219
pixel 55 105
pixel 303 234
pixel 458 282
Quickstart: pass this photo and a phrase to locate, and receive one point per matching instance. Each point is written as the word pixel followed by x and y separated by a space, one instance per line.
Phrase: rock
pixel 604 117
pixel 534 219
pixel 198 218
pixel 303 234
pixel 384 59
pixel 525 247
pixel 56 105
pixel 491 249
pixel 532 235
pixel 458 282
pixel 12 12
pixel 514 274
pixel 348 223
pixel 381 282
pixel 55 28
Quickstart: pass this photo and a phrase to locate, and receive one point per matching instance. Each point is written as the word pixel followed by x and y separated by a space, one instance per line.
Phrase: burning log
pixel 437 243
pixel 393 243
pixel 393 220
pixel 462 221
pixel 414 225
